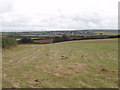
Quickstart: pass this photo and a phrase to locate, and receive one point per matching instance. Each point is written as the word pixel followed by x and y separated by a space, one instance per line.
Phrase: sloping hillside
pixel 73 64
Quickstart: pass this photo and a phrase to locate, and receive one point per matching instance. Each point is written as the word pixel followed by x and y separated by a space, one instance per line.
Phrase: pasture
pixel 72 64
pixel 18 39
pixel 107 33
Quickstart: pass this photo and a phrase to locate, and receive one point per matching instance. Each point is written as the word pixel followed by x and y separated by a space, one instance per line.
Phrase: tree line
pixel 8 41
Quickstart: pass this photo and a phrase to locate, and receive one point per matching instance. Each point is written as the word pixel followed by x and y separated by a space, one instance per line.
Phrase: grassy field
pixel 0 68
pixel 18 39
pixel 107 33
pixel 72 64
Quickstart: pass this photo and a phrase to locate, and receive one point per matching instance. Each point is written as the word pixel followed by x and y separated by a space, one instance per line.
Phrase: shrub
pixel 61 39
pixel 57 39
pixel 8 42
pixel 26 40
pixel 65 38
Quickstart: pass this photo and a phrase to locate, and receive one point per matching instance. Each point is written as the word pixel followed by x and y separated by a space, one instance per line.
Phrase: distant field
pixel 107 33
pixel 20 38
pixel 72 64
pixel 39 35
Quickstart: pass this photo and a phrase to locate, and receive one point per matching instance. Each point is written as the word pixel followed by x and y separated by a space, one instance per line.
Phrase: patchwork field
pixel 72 64
pixel 107 33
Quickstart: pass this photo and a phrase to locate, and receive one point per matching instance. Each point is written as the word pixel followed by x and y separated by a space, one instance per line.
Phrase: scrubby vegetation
pixel 8 42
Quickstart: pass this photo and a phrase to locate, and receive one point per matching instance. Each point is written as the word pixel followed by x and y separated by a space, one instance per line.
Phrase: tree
pixel 57 39
pixel 26 40
pixel 8 42
pixel 60 39
pixel 65 38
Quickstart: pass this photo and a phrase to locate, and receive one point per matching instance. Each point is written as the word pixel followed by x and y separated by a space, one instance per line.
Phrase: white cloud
pixel 6 5
pixel 58 14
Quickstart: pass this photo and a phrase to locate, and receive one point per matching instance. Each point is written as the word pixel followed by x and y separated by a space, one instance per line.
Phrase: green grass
pixel 107 33
pixel 20 38
pixel 72 64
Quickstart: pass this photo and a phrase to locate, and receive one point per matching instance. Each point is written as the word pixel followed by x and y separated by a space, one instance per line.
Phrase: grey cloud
pixel 61 21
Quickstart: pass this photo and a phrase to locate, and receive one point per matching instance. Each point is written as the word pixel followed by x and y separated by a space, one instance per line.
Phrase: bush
pixel 65 38
pixel 8 42
pixel 26 40
pixel 61 39
pixel 57 39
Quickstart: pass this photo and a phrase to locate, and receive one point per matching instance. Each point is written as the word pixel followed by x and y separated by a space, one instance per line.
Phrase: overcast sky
pixel 23 15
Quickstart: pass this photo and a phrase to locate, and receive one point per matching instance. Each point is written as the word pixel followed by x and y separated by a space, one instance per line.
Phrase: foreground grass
pixel 73 64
